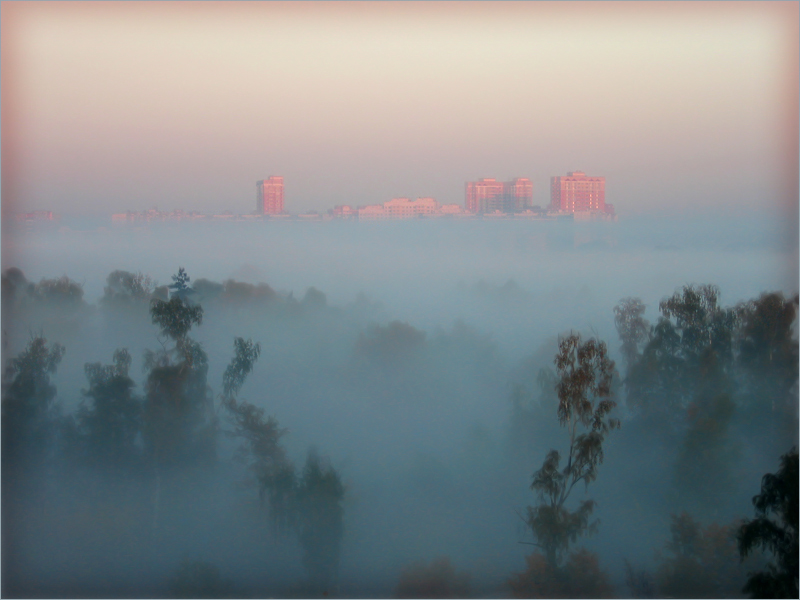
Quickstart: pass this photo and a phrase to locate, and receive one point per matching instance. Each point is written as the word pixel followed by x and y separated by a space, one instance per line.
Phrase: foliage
pixel 767 342
pixel 110 423
pixel 320 520
pixel 199 580
pixel 28 398
pixel 632 327
pixel 246 354
pixel 584 389
pixel 435 580
pixel 125 289
pixel 176 316
pixel 314 298
pixel 178 416
pixel 396 341
pixel 261 451
pixel 178 419
pixel 580 577
pixel 180 284
pixel 768 358
pixel 15 287
pixel 775 530
pixel 311 505
pixel 234 293
pixel 265 458
pixel 699 562
pixel 207 290
pixel 61 291
pixel 690 346
pixel 707 455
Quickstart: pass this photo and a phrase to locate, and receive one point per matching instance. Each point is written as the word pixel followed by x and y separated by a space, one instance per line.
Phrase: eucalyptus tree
pixel 584 403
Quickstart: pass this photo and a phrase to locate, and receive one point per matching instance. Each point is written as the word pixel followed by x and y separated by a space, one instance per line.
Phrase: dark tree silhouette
pixel 27 420
pixel 775 530
pixel 584 389
pixel 109 424
pixel 15 288
pixel 176 316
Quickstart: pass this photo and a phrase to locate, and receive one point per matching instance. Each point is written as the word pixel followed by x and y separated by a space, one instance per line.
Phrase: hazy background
pixel 683 107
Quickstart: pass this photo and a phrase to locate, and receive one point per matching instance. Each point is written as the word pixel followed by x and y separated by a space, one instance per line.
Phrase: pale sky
pixel 683 107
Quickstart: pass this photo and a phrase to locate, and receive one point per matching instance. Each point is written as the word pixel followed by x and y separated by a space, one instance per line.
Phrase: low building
pixel 343 211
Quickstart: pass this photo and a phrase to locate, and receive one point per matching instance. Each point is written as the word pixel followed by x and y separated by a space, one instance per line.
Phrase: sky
pixel 685 108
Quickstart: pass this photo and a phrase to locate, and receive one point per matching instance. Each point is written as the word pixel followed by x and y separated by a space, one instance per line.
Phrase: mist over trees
pixel 225 439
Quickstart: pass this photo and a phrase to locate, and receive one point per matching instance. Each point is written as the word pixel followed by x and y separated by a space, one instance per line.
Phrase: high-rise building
pixel 269 196
pixel 519 194
pixel 576 192
pixel 489 195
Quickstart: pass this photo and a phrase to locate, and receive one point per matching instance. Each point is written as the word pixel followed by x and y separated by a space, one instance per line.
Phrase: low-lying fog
pixel 417 359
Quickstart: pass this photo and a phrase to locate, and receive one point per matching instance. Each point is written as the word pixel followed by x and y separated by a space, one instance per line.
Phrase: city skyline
pixel 107 107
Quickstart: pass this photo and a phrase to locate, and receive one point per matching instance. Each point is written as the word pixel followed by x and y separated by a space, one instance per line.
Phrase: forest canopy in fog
pixel 232 440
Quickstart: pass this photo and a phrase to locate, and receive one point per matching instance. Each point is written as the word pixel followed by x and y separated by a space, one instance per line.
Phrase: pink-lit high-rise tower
pixel 269 196
pixel 577 192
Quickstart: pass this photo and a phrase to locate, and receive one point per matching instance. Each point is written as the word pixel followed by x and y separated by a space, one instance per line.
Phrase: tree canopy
pixel 775 530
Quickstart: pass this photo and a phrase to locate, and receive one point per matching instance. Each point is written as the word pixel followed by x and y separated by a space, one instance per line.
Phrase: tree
pixel 580 577
pixel 180 285
pixel 179 425
pixel 632 327
pixel 125 289
pixel 15 288
pixel 699 562
pixel 584 388
pixel 176 316
pixel 27 420
pixel 774 530
pixel 320 520
pixel 395 343
pixel 768 361
pixel 262 452
pixel 704 468
pixel 61 291
pixel 110 423
pixel 683 392
pixel 690 350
